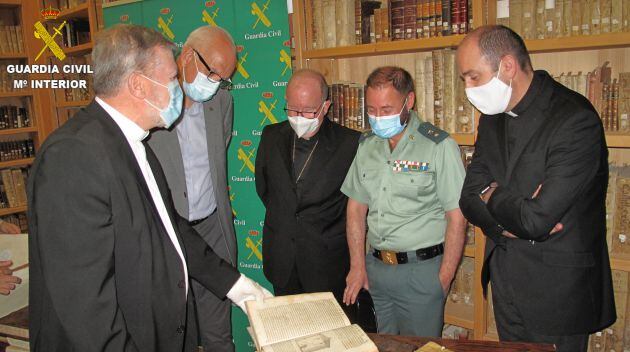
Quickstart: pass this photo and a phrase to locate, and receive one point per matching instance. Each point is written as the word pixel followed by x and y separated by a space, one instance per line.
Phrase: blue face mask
pixel 387 126
pixel 170 113
pixel 202 88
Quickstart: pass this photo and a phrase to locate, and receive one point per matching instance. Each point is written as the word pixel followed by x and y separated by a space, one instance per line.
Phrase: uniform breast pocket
pixel 413 191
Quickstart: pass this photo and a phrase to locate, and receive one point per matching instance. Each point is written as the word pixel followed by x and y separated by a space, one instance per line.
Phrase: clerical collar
pixel 532 93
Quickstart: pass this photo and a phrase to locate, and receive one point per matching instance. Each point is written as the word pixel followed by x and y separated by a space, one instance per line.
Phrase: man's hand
pixel 355 281
pixel 445 281
pixel 557 228
pixel 7 227
pixel 487 192
pixel 7 280
pixel 245 289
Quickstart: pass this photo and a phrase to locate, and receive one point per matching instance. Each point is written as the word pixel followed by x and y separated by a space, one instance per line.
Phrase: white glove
pixel 245 289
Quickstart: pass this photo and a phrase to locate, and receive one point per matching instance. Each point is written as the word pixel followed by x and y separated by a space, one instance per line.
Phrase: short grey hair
pixel 205 34
pixel 120 50
pixel 497 41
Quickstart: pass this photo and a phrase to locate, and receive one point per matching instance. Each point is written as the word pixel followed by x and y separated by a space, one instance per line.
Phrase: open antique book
pixel 312 322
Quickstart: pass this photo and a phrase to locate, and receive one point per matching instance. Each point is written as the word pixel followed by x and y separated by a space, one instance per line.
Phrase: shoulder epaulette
pixel 365 135
pixel 433 133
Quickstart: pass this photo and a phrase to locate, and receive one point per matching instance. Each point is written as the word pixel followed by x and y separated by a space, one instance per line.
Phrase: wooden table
pixel 391 343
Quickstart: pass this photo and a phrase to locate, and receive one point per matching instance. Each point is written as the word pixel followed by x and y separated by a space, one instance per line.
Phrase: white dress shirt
pixel 134 135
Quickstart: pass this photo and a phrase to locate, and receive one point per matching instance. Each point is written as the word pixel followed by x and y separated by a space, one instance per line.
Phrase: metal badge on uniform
pixel 410 166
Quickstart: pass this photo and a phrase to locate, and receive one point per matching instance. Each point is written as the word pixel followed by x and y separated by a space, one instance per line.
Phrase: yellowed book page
pixel 529 19
pixel 284 318
pixel 433 347
pixel 345 339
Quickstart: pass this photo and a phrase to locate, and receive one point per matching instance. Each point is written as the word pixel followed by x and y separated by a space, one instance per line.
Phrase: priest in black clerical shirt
pixel 300 166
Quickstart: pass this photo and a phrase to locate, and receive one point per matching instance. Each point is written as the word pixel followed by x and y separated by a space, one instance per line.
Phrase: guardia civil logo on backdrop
pixel 261 33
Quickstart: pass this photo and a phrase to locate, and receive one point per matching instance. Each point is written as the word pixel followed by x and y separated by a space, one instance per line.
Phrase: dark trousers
pixel 510 324
pixel 294 286
pixel 214 314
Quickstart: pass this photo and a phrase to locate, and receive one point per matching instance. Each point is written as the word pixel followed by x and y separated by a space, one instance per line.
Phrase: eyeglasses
pixel 307 114
pixel 212 76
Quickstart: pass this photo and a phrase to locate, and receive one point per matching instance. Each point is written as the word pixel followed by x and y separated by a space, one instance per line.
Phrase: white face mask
pixel 303 126
pixel 201 89
pixel 491 98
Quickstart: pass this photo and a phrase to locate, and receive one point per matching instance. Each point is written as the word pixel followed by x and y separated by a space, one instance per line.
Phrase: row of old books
pixel 13 187
pixel 540 19
pixel 14 150
pixel 76 32
pixel 348 105
pixel 17 219
pixel 616 337
pixel 440 95
pixel 618 211
pixel 12 116
pixel 610 96
pixel 77 94
pixel 11 39
pixel 6 78
pixel 336 23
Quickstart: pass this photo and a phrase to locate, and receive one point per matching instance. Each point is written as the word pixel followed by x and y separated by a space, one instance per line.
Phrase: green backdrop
pixel 260 30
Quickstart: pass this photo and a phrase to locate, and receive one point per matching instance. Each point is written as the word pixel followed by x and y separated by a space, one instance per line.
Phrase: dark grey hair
pixel 497 41
pixel 120 50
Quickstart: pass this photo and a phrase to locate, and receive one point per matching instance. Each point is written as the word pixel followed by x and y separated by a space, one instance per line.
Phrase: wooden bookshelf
pixel 73 104
pixel 17 162
pixel 11 131
pixel 7 56
pixel 566 54
pixel 78 50
pixel 10 3
pixel 9 211
pixel 80 11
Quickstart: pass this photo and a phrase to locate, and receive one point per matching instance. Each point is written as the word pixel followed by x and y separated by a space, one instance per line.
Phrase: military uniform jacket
pixel 408 190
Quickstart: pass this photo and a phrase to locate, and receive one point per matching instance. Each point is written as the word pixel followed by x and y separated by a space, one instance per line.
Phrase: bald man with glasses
pixel 300 166
pixel 193 156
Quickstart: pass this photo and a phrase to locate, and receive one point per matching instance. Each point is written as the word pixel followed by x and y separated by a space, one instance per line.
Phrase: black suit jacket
pixel 104 275
pixel 305 225
pixel 562 283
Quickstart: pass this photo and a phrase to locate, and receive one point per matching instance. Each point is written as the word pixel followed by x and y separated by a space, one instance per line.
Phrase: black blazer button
pixel 180 329
pixel 297 215
pixel 181 284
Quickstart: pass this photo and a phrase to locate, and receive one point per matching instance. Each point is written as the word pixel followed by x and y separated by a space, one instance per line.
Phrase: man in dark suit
pixel 110 259
pixel 536 187
pixel 192 154
pixel 300 166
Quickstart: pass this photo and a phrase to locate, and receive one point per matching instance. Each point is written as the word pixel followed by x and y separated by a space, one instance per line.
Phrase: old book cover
pixel 372 29
pixel 438 88
pixel 329 27
pixel 621 241
pixel 616 13
pixel 433 18
pixel 20 41
pixel 306 322
pixel 516 16
pixel 426 18
pixel 378 26
pixel 344 12
pixel 567 11
pixel 624 102
pixel 397 19
pixel 465 111
pixel 615 333
pixel 20 186
pixel 409 13
pixel 550 18
pixel 558 18
pixel 611 203
pixel 529 19
pixel 429 92
pixel 385 26
pixel 437 32
pixel 596 15
pixel 503 12
pixel 419 23
pixel 14 40
pixel 9 187
pixel 449 95
pixel 347 103
pixel 463 16
pixel 626 15
pixel 605 15
pixel 446 17
pixel 605 112
pixel 318 18
pixel 455 12
pixel 419 78
pixel 613 95
pixel 471 24
pixel 586 17
pixel 357 22
pixel 576 17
